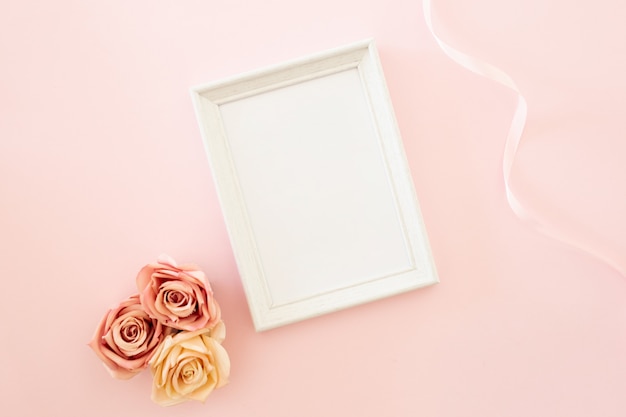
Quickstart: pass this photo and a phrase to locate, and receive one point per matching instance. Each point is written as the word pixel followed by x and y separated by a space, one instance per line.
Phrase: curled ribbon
pixel 512 141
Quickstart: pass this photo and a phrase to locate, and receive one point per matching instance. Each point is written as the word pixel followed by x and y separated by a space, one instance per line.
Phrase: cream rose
pixel 178 296
pixel 126 338
pixel 189 366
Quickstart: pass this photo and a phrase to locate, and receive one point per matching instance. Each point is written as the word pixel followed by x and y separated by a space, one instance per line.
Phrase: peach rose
pixel 126 338
pixel 178 296
pixel 189 366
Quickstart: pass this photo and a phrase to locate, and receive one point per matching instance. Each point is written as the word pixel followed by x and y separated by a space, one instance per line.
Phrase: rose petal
pixel 218 333
pixel 166 260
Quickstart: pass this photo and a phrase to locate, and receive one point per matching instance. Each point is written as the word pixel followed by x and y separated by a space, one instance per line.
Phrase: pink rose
pixel 177 296
pixel 126 338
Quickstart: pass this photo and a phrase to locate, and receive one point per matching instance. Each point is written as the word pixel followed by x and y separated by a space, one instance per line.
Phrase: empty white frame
pixel 314 185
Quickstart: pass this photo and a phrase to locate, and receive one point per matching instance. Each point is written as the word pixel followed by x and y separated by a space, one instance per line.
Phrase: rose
pixel 189 366
pixel 126 338
pixel 178 296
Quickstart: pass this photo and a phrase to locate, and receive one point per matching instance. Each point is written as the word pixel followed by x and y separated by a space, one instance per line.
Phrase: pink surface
pixel 102 169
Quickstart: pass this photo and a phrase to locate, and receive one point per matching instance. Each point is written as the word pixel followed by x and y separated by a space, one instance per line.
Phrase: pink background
pixel 102 169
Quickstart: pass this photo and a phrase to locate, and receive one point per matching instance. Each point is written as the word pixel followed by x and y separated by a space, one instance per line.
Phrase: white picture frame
pixel 314 185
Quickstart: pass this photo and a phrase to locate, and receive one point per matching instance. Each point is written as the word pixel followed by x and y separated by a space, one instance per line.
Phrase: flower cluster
pixel 174 327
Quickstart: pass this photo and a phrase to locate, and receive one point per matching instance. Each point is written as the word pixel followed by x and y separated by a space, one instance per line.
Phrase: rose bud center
pixel 176 297
pixel 190 372
pixel 131 333
pixel 179 298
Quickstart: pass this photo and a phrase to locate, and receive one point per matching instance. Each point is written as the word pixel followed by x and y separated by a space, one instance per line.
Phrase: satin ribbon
pixel 512 142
